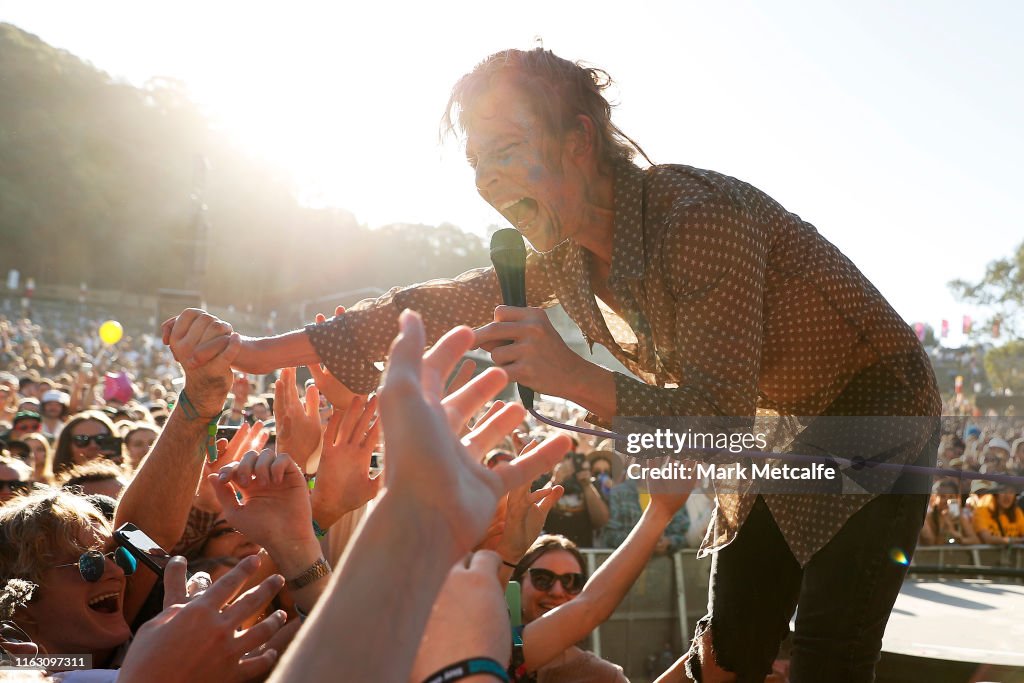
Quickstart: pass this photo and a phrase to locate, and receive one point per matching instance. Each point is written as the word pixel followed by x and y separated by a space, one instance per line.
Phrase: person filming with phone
pixel 943 523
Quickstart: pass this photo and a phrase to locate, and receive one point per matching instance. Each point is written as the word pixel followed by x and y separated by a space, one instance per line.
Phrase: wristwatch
pixel 316 571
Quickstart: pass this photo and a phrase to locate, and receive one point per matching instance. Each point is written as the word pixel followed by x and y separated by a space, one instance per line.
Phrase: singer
pixel 722 302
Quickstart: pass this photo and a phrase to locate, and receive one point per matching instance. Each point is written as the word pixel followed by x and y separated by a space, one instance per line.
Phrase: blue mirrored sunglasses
pixel 92 563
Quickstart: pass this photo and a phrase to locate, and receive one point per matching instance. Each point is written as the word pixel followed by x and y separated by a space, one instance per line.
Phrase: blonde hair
pixel 43 529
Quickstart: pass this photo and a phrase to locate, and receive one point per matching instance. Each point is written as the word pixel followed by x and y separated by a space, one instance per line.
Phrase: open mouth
pixel 519 212
pixel 108 603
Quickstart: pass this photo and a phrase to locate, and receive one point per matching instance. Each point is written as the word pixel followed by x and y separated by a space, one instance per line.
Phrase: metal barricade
pixel 659 611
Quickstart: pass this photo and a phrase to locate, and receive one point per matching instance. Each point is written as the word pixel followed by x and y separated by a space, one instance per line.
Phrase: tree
pixel 1005 366
pixel 101 182
pixel 1001 290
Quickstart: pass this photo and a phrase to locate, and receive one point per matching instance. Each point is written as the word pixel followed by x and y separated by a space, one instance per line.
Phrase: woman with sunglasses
pixel 81 599
pixel 560 605
pixel 87 436
pixel 551 574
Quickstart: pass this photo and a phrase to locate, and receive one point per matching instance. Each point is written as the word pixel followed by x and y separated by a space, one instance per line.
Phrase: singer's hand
pixel 524 343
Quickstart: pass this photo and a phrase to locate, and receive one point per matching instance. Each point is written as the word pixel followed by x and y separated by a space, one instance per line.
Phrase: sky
pixel 894 128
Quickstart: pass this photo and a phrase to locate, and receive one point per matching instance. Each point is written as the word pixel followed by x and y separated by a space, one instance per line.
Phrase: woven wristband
pixel 207 450
pixel 467 668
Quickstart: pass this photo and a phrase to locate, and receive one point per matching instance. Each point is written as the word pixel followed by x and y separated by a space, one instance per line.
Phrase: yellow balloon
pixel 111 332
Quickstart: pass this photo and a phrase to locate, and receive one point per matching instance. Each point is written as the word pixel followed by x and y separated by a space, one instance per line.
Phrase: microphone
pixel 508 254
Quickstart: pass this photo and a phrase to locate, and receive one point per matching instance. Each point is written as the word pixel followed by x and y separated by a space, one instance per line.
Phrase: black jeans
pixel 846 593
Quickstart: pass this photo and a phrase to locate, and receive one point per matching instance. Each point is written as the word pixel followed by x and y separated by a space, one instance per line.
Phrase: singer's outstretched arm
pixel 260 355
pixel 353 344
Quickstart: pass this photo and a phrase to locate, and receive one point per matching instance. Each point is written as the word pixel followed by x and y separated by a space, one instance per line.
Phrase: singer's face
pixel 523 170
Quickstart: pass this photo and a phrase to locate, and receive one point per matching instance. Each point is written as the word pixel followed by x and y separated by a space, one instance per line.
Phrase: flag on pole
pixel 995 328
pixel 967 324
pixel 919 329
pixel 945 328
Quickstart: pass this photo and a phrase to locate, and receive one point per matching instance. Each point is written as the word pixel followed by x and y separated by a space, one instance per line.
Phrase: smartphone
pixel 953 505
pixel 514 600
pixel 142 547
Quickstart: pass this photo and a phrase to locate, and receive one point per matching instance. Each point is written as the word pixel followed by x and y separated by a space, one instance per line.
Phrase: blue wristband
pixel 467 668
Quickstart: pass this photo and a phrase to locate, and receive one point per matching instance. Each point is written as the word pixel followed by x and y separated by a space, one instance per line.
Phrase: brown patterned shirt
pixel 727 304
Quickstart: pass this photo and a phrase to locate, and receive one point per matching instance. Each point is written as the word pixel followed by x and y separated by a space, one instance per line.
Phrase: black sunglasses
pixel 92 563
pixel 103 441
pixel 544 580
pixel 15 486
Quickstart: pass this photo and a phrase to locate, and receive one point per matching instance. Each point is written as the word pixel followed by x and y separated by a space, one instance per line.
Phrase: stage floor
pixel 964 620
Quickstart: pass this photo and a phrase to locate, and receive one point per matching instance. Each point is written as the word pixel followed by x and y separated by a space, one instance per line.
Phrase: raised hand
pixel 428 466
pixel 525 514
pixel 469 618
pixel 298 423
pixel 200 641
pixel 245 439
pixel 205 346
pixel 343 481
pixel 275 509
pixel 274 512
pixel 491 411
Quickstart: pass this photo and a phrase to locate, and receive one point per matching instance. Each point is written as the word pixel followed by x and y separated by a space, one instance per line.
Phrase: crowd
pixel 96 436
pixel 973 510
pixel 283 487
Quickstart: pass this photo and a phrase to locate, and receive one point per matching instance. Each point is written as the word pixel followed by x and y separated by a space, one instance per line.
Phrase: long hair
pixel 62 453
pixel 557 90
pixel 46 466
pixel 37 529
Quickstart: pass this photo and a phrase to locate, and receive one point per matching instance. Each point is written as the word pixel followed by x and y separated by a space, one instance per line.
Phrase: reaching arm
pixel 351 343
pixel 549 635
pixel 159 497
pixel 426 519
pixel 274 511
